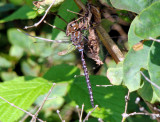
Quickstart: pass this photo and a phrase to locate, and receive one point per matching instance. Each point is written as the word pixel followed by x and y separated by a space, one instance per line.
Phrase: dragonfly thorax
pixel 74 31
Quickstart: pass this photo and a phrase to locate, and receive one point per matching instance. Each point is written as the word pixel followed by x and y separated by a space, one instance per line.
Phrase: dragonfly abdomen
pixel 87 78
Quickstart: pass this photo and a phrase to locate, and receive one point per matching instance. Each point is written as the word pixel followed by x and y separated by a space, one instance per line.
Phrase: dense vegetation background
pixel 29 66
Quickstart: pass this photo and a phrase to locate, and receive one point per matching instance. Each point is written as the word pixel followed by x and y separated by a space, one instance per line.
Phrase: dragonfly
pixel 75 33
pixel 75 29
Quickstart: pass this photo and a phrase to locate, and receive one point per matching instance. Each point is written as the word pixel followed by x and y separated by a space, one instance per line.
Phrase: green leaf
pixel 4 63
pixel 132 37
pixel 115 75
pixel 132 5
pixel 134 61
pixel 16 2
pixel 61 72
pixel 6 7
pixel 148 22
pixel 13 51
pixel 22 93
pixel 30 67
pixel 23 41
pixel 19 39
pixel 106 98
pixel 147 92
pixel 42 6
pixel 154 66
pixel 8 75
pixel 25 12
pixel 68 16
pixel 46 3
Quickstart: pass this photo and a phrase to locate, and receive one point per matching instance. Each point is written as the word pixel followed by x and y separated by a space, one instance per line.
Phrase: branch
pixel 53 26
pixel 20 109
pixel 147 79
pixel 80 119
pixel 89 113
pixel 47 40
pixel 156 40
pixel 104 85
pixel 45 14
pixel 26 116
pixel 141 113
pixel 58 112
pixel 112 48
pixel 126 106
pixel 45 99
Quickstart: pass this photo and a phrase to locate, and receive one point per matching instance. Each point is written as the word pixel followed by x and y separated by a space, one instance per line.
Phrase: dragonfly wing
pixel 70 49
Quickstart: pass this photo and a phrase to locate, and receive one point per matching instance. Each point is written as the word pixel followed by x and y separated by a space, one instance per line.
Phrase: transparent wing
pixel 68 50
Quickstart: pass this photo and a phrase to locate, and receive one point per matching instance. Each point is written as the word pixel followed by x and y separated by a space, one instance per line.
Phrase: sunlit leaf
pixel 14 49
pixel 132 38
pixel 22 93
pixel 134 61
pixel 147 24
pixel 132 5
pixel 4 63
pixel 30 68
pixel 115 74
pixel 8 75
pixel 19 39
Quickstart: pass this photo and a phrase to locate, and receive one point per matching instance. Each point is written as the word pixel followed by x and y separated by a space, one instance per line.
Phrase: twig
pixel 53 26
pixel 137 100
pixel 104 85
pixel 26 116
pixel 100 120
pixel 51 98
pixel 156 109
pixel 141 113
pixel 86 118
pixel 46 12
pixel 75 12
pixel 151 107
pixel 141 108
pixel 147 79
pixel 156 40
pixel 76 76
pixel 58 112
pixel 80 119
pixel 145 112
pixel 45 99
pixel 126 106
pixel 48 40
pixel 20 109
pixel 77 108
